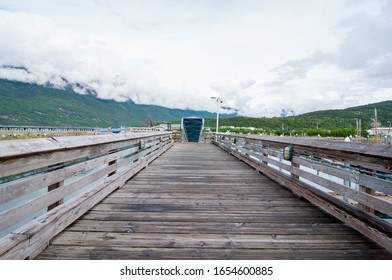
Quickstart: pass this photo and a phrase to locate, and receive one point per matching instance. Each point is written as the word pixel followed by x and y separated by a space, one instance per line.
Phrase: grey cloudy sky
pixel 258 55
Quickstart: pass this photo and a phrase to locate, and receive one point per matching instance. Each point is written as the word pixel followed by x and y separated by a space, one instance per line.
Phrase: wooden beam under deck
pixel 198 202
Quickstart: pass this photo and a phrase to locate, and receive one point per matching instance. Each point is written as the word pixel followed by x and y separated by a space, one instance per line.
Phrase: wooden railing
pixel 351 181
pixel 46 184
pixel 208 137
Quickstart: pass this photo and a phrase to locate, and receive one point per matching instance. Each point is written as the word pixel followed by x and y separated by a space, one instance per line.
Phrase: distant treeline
pixel 327 123
pixel 337 132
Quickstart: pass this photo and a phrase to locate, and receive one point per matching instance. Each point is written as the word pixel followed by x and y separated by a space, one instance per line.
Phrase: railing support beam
pixel 321 167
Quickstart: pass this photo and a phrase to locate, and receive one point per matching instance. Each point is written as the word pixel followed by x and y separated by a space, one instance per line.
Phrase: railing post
pixel 55 186
pixel 364 207
pixel 294 166
pixel 265 161
pixel 52 188
pixel 347 183
pixel 368 191
pixel 295 176
pixel 112 162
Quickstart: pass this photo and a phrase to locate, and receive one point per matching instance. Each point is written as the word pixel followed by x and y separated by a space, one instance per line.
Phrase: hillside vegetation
pixel 30 104
pixel 325 123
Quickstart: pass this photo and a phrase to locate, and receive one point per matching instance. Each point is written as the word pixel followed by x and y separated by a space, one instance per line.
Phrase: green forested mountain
pixel 29 104
pixel 318 121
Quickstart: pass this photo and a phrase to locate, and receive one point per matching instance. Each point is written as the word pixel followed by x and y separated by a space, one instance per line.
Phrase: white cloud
pixel 355 73
pixel 259 56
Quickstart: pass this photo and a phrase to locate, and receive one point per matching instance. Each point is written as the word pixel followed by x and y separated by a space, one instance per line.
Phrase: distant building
pixel 380 131
pixel 170 126
pixel 176 126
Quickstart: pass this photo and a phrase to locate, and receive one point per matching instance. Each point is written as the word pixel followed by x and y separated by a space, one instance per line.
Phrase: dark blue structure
pixel 192 129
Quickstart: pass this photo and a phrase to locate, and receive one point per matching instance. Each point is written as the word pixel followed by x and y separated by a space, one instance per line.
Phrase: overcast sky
pixel 259 56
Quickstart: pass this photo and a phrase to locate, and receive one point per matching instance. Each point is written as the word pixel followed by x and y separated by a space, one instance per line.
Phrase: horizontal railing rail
pixel 351 181
pixel 46 184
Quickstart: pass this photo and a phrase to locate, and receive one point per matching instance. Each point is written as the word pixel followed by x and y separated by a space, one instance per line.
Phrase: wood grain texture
pixel 374 157
pixel 198 202
pixel 358 211
pixel 109 171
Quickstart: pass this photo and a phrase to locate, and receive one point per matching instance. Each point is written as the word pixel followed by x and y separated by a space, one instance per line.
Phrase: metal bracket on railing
pixel 141 144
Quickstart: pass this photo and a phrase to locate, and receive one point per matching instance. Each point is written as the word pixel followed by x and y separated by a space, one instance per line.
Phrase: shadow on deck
pixel 198 202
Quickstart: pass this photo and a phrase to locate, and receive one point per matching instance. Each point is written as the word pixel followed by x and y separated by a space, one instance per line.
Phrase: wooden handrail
pixel 53 181
pixel 351 181
pixel 376 157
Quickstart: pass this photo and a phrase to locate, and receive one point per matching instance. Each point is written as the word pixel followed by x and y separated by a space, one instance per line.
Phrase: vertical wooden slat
pixel 53 156
pixel 112 162
pixel 317 155
pixel 56 186
pixel 362 206
pixel 296 177
pixel 368 191
pixel 52 188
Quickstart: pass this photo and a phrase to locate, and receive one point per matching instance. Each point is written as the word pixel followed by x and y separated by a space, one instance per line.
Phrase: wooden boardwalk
pixel 198 202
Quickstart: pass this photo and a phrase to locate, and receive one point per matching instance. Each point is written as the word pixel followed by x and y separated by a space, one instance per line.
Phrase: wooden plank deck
pixel 198 202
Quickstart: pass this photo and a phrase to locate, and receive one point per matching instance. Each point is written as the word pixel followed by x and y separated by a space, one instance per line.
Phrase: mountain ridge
pixel 31 104
pixel 323 119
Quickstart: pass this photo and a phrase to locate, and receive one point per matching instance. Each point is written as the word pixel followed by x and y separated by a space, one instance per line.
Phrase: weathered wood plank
pixel 244 217
pixel 31 238
pixel 359 196
pixel 196 202
pixel 366 155
pixel 222 241
pixel 23 210
pixel 371 226
pixel 331 229
pixel 150 253
pixel 17 188
pixel 355 177
pixel 17 157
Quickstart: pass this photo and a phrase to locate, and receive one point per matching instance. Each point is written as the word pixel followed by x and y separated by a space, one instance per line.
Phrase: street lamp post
pixel 218 102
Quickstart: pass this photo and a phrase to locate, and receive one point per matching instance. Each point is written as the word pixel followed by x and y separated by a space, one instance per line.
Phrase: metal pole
pixel 217 117
pixel 218 102
pixel 376 125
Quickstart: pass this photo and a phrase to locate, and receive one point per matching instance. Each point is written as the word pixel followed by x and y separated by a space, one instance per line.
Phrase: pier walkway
pixel 198 202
